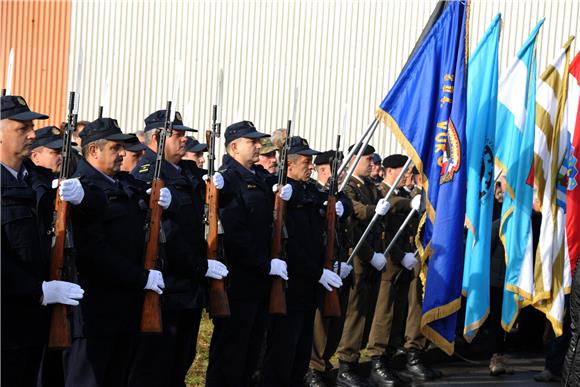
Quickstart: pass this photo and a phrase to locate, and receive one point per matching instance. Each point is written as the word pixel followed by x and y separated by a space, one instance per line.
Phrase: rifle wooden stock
pixel 219 305
pixel 151 316
pixel 278 289
pixel 59 333
pixel 331 304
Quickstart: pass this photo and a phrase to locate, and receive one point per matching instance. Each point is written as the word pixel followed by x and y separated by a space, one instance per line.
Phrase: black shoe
pixel 347 376
pixel 416 369
pixel 381 376
pixel 314 378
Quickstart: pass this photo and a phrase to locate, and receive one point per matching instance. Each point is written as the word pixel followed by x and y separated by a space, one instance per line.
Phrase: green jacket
pixel 364 196
pixel 400 208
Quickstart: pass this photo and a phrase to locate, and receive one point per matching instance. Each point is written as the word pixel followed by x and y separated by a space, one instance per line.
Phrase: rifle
pixel 218 298
pixel 331 304
pixel 59 333
pixel 278 289
pixel 377 216
pixel 151 316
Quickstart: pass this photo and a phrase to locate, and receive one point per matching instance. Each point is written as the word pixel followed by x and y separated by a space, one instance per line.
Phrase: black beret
pixel 15 108
pixel 394 161
pixel 369 150
pixel 326 157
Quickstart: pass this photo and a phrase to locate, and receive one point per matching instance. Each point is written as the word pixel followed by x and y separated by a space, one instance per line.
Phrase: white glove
pixel 61 292
pixel 155 282
pixel 217 179
pixel 409 261
pixel 338 206
pixel 416 203
pixel 379 261
pixel 382 207
pixel 164 197
pixel 71 190
pixel 285 192
pixel 278 267
pixel 345 269
pixel 330 279
pixel 216 269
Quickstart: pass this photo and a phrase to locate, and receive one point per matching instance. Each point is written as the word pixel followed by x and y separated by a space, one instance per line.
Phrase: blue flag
pixel 516 121
pixel 481 112
pixel 426 109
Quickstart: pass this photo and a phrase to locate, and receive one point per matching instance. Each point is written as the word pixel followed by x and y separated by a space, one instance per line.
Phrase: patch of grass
pixel 196 375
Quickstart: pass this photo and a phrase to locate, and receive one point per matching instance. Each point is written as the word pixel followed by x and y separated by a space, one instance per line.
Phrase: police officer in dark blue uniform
pixel 194 151
pixel 46 148
pixel 109 262
pixel 27 205
pixel 289 341
pixel 164 360
pixel 246 209
pixel 135 150
pixel 328 330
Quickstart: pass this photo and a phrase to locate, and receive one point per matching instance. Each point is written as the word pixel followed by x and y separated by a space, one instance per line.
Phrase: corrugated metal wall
pixel 39 32
pixel 335 52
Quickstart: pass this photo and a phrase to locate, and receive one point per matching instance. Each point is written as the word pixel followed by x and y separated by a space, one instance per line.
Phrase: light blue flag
pixel 480 131
pixel 516 120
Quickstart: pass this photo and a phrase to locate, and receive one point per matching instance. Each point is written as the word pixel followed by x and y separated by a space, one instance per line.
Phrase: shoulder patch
pixel 144 168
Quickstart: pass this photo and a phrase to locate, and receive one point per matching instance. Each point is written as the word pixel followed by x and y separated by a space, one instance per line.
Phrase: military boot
pixel 381 376
pixel 498 366
pixel 347 376
pixel 416 369
pixel 314 378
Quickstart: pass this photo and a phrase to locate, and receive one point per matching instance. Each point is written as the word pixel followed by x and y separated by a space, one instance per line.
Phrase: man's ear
pixel 93 149
pixel 234 147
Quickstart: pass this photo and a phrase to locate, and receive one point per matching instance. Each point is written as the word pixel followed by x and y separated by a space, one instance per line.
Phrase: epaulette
pixel 144 168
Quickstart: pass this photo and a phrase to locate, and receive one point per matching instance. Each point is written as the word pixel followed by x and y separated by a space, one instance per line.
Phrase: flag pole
pixel 376 216
pixel 400 231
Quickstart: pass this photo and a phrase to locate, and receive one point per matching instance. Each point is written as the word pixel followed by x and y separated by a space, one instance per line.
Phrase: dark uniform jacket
pixel 27 214
pixel 497 251
pixel 246 213
pixel 185 263
pixel 26 206
pixel 364 196
pixel 497 259
pixel 400 208
pixel 343 241
pixel 111 247
pixel 305 226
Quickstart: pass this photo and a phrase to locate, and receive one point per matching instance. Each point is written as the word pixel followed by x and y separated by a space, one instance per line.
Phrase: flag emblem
pixel 572 170
pixel 452 156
